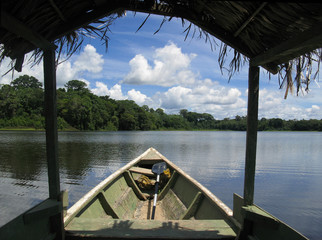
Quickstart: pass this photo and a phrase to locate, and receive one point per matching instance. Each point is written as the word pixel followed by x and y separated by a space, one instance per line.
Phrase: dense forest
pixel 22 101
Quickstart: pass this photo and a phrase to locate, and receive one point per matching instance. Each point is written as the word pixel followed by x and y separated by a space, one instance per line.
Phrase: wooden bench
pixel 149 229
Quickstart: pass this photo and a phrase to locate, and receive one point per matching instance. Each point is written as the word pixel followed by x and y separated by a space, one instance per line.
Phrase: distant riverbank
pixel 22 108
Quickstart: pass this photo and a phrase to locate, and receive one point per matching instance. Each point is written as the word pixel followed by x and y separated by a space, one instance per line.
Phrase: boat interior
pixel 183 210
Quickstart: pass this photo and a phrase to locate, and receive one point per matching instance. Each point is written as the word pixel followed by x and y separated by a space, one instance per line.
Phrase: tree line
pixel 22 106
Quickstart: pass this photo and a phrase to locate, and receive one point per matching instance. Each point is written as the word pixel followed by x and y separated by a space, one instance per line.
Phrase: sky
pixel 165 70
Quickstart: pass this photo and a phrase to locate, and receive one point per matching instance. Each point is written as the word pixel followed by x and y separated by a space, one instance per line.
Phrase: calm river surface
pixel 288 177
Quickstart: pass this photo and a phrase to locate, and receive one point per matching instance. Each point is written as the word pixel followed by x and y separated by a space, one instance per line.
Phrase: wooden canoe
pixel 120 207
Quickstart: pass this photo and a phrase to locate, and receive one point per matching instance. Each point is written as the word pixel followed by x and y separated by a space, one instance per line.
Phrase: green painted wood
pixel 251 138
pixel 266 227
pixel 131 183
pixel 238 202
pixel 254 214
pixel 121 197
pixel 192 209
pixel 45 209
pixel 107 207
pixel 169 185
pixel 140 229
pixel 64 200
pixel 209 210
pixel 184 190
pixel 172 206
pixel 93 209
pixel 37 228
pixel 259 224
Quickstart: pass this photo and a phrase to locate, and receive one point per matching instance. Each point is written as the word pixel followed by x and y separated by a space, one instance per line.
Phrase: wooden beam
pixel 305 42
pixel 131 183
pixel 192 209
pixel 249 19
pixel 251 138
pixel 106 206
pixel 20 29
pixel 42 211
pixel 52 138
pixel 51 123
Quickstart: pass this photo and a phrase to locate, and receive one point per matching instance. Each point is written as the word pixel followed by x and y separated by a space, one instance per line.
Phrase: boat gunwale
pixel 76 208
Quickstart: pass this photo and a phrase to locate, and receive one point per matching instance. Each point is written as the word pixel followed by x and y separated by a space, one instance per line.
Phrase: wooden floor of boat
pixel 144 211
pixel 143 228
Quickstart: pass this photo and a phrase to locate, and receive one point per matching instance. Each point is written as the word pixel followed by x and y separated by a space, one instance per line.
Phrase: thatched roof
pixel 274 35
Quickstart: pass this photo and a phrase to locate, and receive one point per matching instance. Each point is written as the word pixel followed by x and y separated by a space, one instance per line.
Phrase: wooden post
pixel 251 138
pixel 51 123
pixel 52 138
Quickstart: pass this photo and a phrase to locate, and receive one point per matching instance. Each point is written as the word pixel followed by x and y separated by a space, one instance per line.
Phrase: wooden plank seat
pixel 144 171
pixel 101 228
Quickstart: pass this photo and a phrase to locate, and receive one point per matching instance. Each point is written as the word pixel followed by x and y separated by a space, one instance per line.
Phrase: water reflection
pixel 288 177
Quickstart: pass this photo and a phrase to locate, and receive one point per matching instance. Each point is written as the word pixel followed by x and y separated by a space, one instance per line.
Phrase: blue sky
pixel 166 71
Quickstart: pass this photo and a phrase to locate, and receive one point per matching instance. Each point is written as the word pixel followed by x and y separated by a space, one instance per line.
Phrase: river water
pixel 288 173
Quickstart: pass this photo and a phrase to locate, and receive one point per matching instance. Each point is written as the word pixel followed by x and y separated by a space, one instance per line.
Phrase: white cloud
pixel 89 60
pixel 115 92
pixel 65 72
pixel 210 98
pixel 170 67
pixel 273 105
pixel 101 89
pixel 36 71
pixel 137 96
pixel 176 98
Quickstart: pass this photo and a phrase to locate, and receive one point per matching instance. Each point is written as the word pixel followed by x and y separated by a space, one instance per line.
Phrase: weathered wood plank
pixel 169 184
pixel 130 181
pixel 44 210
pixel 145 171
pixel 106 206
pixel 187 229
pixel 193 207
pixel 255 214
pixel 52 137
pixel 251 138
pixel 51 124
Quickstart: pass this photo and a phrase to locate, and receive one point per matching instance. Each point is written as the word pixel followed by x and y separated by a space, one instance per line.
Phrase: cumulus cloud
pixel 214 100
pixel 114 92
pixel 273 105
pixel 89 61
pixel 170 67
pixel 137 96
pixel 36 71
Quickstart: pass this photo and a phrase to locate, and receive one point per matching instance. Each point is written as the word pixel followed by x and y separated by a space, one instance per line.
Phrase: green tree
pixel 76 85
pixel 26 81
pixel 9 102
pixel 127 121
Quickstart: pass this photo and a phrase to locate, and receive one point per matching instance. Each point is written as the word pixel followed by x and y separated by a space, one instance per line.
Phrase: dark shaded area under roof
pixel 268 34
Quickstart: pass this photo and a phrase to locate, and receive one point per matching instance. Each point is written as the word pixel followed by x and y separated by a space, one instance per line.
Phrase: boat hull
pixel 119 208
